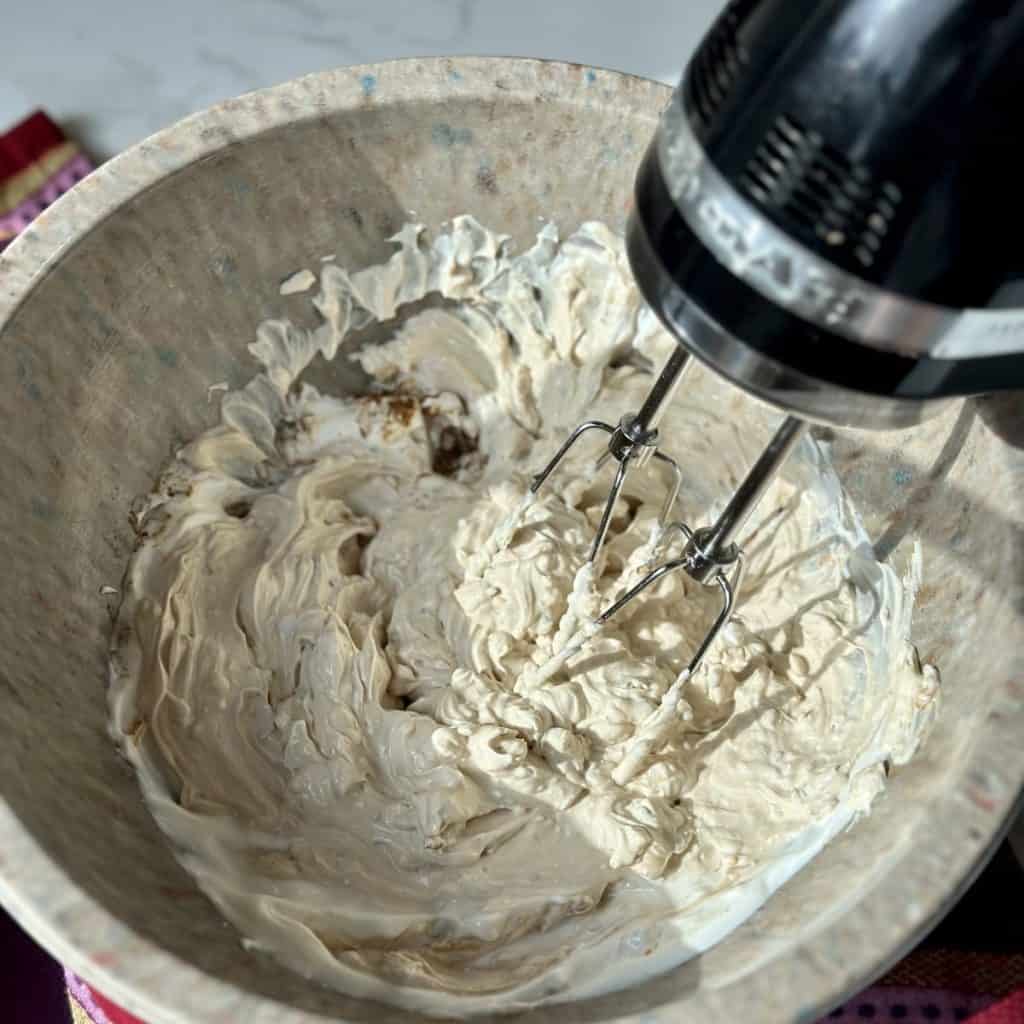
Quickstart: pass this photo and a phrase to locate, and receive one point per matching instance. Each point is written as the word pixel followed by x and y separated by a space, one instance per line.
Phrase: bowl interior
pixel 154 276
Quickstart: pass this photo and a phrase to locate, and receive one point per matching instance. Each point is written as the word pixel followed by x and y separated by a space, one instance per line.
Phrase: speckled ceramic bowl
pixel 142 287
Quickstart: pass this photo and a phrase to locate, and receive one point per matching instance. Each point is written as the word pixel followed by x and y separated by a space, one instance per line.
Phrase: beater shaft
pixel 664 390
pixel 710 548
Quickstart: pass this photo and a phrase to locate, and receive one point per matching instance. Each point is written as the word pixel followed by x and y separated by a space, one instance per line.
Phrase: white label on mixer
pixel 983 332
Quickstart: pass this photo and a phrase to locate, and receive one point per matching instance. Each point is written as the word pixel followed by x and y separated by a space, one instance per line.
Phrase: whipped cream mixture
pixel 333 665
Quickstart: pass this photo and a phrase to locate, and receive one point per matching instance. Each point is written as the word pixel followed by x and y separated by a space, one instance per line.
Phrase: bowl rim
pixel 966 821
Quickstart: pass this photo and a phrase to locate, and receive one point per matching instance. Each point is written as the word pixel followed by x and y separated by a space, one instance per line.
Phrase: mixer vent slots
pixel 817 188
pixel 719 62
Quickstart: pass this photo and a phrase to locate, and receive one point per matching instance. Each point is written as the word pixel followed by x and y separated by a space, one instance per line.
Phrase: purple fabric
pixel 908 1006
pixel 29 208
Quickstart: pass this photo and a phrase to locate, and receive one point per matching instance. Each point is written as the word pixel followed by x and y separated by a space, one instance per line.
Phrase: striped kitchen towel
pixel 978 998
pixel 38 164
pixel 89 1007
pixel 942 986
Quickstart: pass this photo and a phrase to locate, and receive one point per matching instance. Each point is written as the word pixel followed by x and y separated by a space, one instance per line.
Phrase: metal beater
pixel 710 555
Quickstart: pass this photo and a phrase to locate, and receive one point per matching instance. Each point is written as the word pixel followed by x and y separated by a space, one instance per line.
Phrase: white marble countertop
pixel 114 71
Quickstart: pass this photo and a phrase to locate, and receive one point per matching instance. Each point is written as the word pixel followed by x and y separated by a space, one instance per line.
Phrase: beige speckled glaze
pixel 143 286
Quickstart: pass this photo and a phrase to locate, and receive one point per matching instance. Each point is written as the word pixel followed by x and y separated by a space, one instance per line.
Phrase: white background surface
pixel 114 71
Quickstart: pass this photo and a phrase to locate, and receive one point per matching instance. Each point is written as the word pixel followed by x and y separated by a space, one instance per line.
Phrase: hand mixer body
pixel 829 214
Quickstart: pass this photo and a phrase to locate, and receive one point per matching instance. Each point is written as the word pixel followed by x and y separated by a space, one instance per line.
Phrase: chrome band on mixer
pixel 781 385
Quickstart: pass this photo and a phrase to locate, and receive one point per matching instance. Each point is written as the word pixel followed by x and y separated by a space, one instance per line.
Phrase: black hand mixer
pixel 829 217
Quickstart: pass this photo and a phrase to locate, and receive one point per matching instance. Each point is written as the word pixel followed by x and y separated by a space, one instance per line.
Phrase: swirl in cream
pixel 329 665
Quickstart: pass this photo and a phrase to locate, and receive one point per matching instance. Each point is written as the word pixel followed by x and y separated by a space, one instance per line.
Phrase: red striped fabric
pixel 26 142
pixel 38 164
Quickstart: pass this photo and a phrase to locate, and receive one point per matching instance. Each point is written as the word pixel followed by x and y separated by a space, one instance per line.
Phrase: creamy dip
pixel 329 664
